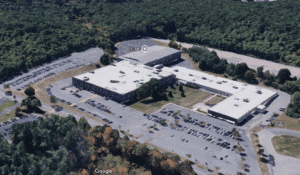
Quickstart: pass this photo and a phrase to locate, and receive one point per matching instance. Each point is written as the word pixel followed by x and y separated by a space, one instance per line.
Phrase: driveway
pixel 283 164
pixel 251 62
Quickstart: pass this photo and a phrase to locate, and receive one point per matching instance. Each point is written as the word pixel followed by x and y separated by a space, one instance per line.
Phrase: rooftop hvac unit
pixel 245 84
pixel 259 91
pixel 246 100
pixel 155 72
pixel 176 70
pixel 86 79
pixel 236 98
pixel 190 74
pixel 122 72
pixel 235 87
pixel 204 78
pixel 92 72
pixel 158 70
pixel 219 82
pixel 136 71
pixel 224 81
pixel 236 105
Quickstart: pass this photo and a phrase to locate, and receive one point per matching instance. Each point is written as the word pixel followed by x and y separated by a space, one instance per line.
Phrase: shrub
pixel 98 65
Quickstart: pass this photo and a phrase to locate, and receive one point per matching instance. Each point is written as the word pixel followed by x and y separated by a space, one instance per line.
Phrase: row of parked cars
pixel 154 118
pixel 38 72
pixel 99 106
pixel 204 136
pixel 203 124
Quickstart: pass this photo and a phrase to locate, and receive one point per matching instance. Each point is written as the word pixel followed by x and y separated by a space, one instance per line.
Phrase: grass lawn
pixel 6 105
pixel 288 122
pixel 9 116
pixel 287 145
pixel 193 96
pixel 215 100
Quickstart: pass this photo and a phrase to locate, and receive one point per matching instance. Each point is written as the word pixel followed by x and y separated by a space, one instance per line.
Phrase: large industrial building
pixel 119 81
pixel 242 99
pixel 155 55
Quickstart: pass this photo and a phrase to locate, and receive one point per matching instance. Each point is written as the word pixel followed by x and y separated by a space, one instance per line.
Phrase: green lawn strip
pixel 217 99
pixel 6 105
pixel 192 97
pixel 9 116
pixel 287 145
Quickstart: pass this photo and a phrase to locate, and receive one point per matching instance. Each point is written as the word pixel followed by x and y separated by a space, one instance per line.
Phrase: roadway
pixel 251 61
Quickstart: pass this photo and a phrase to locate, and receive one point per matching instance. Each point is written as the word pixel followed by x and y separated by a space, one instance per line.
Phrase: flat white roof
pixel 201 78
pixel 153 53
pixel 127 76
pixel 234 106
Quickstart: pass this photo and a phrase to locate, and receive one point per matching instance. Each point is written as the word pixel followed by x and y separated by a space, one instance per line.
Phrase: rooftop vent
pixel 236 105
pixel 155 72
pixel 235 87
pixel 158 70
pixel 114 81
pixel 219 82
pixel 210 80
pixel 194 80
pixel 224 81
pixel 136 71
pixel 245 84
pixel 190 74
pixel 204 78
pixel 149 75
pixel 236 98
pixel 246 100
pixel 92 72
pixel 86 79
pixel 176 70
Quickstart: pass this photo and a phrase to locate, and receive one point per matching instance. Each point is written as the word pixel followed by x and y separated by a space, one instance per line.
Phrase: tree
pixel 202 65
pixel 97 65
pixel 240 69
pixel 105 59
pixel 170 94
pixel 249 76
pixel 30 91
pixel 173 44
pixel 260 151
pixel 180 87
pixel 283 75
pixel 35 103
pixel 182 94
pixel 6 86
pixel 17 111
pixel 176 122
pixel 259 72
pixel 154 86
pixel 83 124
pixel 53 99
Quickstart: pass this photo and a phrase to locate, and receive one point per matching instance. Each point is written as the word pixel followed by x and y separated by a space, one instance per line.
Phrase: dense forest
pixel 37 31
pixel 65 146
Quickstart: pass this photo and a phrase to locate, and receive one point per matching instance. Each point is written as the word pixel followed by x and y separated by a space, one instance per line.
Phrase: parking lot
pixel 211 137
pixel 207 139
pixel 5 128
pixel 60 65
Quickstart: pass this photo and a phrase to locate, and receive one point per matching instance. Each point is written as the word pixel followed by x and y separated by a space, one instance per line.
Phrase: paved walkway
pixel 283 164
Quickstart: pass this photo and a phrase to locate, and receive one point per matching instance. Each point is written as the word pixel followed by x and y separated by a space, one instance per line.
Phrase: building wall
pixel 121 98
pixel 165 60
pixel 221 115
